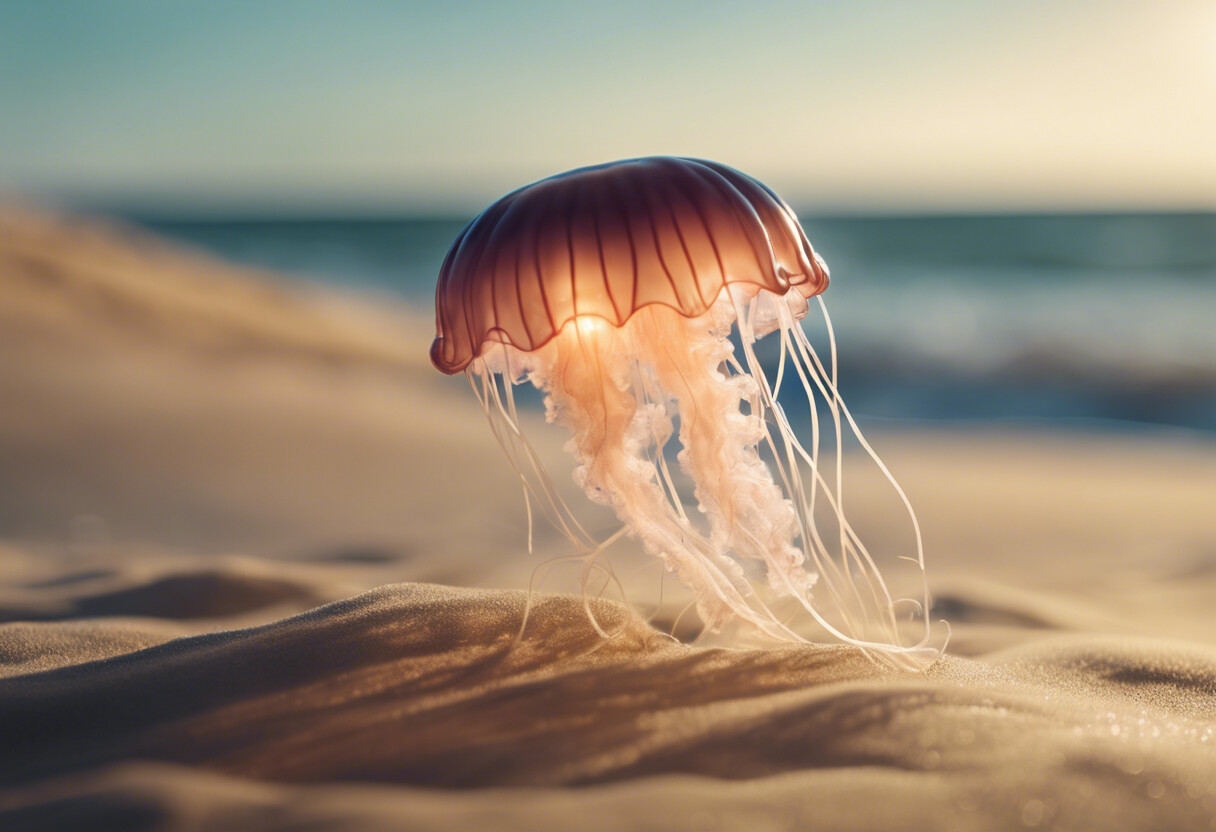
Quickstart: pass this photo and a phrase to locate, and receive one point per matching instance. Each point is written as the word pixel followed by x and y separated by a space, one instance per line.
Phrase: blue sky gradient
pixel 312 106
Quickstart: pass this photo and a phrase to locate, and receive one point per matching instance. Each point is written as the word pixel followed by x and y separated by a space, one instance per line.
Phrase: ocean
pixel 1099 321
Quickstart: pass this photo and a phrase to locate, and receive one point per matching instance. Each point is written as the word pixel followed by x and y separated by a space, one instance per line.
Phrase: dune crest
pixel 87 279
pixel 419 685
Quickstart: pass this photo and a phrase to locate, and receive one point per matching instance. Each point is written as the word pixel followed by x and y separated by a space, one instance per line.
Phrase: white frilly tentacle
pixel 620 391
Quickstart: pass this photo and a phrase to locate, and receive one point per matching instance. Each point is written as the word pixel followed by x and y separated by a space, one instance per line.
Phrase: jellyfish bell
pixel 615 290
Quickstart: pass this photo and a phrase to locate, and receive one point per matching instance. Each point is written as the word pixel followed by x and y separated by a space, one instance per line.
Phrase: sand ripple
pixel 420 686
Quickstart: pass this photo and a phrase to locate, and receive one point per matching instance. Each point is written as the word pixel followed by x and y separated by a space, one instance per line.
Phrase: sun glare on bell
pixel 589 324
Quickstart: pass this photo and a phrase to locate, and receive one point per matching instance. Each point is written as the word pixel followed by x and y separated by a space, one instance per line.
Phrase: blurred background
pixel 1015 198
pixel 221 225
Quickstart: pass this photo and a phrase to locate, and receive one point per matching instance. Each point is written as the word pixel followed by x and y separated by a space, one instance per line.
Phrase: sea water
pixel 1094 321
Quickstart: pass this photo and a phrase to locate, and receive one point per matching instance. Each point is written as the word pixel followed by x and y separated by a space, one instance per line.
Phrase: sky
pixel 306 106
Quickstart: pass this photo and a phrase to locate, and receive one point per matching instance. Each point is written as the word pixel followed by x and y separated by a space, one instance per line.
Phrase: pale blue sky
pixel 306 106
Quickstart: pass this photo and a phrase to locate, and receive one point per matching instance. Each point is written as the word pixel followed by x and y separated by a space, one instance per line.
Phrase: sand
pixel 262 568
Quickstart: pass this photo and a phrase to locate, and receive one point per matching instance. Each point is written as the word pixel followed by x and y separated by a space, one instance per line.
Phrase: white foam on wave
pixel 994 319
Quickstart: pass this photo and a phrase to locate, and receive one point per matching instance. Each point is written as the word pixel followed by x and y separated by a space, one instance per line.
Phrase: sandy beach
pixel 262 567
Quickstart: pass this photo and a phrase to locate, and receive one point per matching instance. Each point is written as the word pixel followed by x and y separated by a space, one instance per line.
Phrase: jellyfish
pixel 632 295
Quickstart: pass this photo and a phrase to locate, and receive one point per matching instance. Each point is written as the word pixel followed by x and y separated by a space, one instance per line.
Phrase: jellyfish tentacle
pixel 893 651
pixel 543 569
pixel 848 538
pixel 920 549
pixel 747 512
pixel 590 392
pixel 592 561
pixel 907 503
pixel 590 399
pixel 851 544
pixel 873 576
pixel 655 398
pixel 814 369
pixel 513 442
pixel 619 408
pixel 509 391
pixel 830 570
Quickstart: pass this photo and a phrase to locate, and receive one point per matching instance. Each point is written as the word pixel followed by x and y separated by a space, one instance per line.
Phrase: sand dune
pixel 420 686
pixel 81 279
pixel 213 486
pixel 213 593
